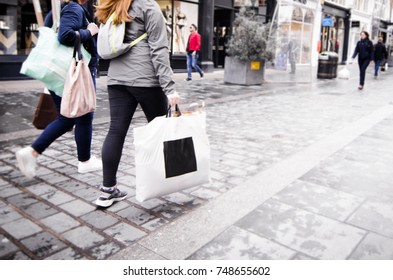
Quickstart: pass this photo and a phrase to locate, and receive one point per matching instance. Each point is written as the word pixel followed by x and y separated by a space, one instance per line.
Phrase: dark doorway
pixel 223 19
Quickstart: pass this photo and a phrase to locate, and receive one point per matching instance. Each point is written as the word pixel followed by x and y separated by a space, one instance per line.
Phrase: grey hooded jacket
pixel 147 63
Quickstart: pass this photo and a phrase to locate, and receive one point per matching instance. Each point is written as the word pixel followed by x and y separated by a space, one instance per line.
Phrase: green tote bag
pixel 50 61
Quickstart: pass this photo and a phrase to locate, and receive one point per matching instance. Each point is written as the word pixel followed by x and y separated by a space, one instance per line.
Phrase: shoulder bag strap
pixel 137 40
pixel 77 47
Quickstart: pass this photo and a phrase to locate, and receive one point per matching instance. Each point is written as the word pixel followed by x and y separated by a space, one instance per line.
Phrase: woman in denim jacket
pixel 75 16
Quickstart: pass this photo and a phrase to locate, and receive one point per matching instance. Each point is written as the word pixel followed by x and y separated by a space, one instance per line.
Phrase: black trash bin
pixel 327 65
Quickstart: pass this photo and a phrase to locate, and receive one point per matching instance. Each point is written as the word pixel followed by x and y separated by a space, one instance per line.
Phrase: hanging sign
pixel 327 22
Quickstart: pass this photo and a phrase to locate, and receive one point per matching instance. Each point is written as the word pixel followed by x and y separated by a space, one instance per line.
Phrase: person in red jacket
pixel 193 49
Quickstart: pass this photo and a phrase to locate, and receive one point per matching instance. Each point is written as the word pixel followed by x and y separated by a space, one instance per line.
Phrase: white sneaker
pixel 106 198
pixel 93 164
pixel 26 161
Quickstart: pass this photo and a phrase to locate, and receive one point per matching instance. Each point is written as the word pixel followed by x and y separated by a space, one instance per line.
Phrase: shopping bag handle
pixel 77 46
pixel 176 114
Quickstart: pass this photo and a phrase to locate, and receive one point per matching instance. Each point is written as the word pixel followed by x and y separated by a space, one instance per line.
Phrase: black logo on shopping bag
pixel 179 156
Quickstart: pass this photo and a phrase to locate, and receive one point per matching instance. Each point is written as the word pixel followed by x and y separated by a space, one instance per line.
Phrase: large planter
pixel 243 73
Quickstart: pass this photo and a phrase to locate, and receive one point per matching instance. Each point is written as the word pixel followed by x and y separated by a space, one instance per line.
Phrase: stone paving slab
pixel 238 244
pixel 374 216
pixel 303 231
pixel 374 247
pixel 323 201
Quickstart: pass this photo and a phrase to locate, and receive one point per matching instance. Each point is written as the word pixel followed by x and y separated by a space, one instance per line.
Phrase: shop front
pixel 19 31
pixel 296 35
pixel 18 34
pixel 335 30
pixel 179 15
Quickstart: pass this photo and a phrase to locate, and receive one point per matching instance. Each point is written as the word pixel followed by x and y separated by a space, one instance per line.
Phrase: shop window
pixel 179 18
pixel 29 28
pixel 309 17
pixel 297 14
pixel 8 34
pixel 166 8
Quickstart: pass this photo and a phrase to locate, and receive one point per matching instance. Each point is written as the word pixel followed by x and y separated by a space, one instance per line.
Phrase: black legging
pixel 123 101
pixel 363 64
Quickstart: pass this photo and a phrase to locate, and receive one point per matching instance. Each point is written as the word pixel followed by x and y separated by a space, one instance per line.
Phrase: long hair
pixel 367 35
pixel 118 7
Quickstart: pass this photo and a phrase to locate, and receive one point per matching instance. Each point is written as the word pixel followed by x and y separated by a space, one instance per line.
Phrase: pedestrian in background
pixel 193 50
pixel 140 76
pixel 365 52
pixel 292 54
pixel 76 15
pixel 380 55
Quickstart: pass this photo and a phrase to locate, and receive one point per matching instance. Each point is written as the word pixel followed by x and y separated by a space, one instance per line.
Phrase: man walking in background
pixel 380 55
pixel 193 49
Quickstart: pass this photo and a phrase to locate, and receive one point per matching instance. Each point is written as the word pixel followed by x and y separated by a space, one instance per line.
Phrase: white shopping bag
pixel 344 73
pixel 171 154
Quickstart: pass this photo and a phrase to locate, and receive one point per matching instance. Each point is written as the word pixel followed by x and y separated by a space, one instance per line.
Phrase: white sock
pixel 108 190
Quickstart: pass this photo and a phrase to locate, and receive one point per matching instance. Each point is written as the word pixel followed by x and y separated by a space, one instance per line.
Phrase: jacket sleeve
pixel 71 20
pixel 198 42
pixel 158 43
pixel 48 20
pixel 355 53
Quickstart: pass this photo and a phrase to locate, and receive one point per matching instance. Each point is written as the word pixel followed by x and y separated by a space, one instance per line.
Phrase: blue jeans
pixel 377 65
pixel 83 130
pixel 192 63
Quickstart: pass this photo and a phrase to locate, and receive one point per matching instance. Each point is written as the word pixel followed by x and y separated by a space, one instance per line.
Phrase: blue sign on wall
pixel 328 22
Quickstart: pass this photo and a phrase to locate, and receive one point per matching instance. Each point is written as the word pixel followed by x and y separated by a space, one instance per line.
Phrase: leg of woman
pixel 363 67
pixel 83 136
pixel 153 101
pixel 27 157
pixel 122 108
pixel 361 74
pixel 54 130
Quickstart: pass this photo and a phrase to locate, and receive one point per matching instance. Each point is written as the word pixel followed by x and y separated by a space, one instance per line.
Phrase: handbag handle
pixel 177 112
pixel 77 46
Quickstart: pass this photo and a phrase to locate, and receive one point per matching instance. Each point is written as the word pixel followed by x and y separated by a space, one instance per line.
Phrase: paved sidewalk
pixel 298 171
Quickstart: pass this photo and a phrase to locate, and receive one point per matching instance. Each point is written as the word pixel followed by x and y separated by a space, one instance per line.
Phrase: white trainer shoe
pixel 106 198
pixel 27 162
pixel 93 164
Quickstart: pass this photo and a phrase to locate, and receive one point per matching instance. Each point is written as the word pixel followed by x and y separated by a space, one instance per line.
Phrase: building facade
pixel 315 25
pixel 19 31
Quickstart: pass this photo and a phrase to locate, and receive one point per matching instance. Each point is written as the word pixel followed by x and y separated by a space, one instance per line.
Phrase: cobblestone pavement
pixel 250 130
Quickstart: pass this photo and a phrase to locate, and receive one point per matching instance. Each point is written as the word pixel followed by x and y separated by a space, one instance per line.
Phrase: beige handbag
pixel 79 96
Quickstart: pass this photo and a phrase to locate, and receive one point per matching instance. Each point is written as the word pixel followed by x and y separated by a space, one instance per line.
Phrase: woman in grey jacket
pixel 140 76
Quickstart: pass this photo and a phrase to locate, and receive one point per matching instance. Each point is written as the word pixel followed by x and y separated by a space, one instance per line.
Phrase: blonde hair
pixel 117 7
